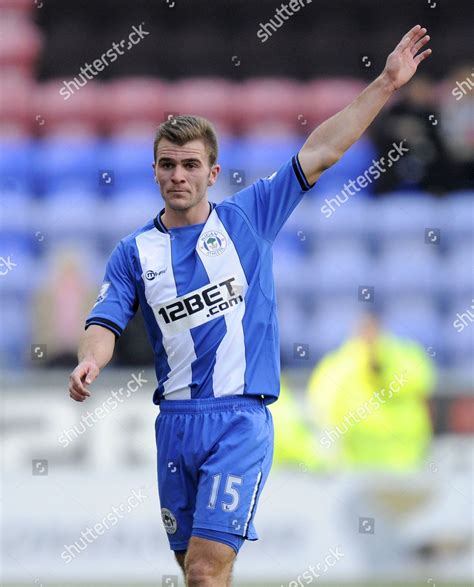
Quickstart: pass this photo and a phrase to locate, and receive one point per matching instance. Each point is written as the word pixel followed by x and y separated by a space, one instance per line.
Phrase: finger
pixel 421 43
pixel 75 396
pixel 403 44
pixel 91 375
pixel 419 58
pixel 76 385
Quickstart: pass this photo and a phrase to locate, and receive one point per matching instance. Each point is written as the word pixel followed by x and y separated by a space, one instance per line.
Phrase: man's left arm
pixel 331 139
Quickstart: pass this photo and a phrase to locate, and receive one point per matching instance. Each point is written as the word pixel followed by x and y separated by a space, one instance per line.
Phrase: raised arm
pixel 331 139
pixel 95 351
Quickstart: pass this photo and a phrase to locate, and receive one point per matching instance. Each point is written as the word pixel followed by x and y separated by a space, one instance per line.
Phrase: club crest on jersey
pixel 102 293
pixel 169 521
pixel 212 243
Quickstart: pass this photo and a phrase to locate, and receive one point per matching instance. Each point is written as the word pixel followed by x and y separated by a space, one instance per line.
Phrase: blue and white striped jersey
pixel 206 292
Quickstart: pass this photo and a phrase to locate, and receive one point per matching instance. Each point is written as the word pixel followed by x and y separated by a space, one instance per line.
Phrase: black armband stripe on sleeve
pixel 106 324
pixel 305 185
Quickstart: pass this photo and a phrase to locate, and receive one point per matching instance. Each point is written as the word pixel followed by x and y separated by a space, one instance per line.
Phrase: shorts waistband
pixel 211 404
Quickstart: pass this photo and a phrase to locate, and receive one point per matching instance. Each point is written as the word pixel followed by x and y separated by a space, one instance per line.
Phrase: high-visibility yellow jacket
pixel 295 441
pixel 368 420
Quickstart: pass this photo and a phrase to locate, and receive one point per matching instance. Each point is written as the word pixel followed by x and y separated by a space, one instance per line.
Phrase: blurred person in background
pixel 368 400
pixel 70 291
pixel 296 444
pixel 457 123
pixel 414 119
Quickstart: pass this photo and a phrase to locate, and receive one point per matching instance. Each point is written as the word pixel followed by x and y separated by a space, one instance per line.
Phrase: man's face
pixel 183 173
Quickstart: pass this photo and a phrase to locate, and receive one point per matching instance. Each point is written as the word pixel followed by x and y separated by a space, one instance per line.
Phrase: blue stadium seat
pixel 340 266
pixel 15 332
pixel 457 273
pixel 333 321
pixel 17 211
pixel 457 213
pixel 408 266
pixel 16 165
pixel 458 329
pixel 292 320
pixel 415 317
pixel 128 210
pixel 130 162
pixel 60 163
pixel 70 212
pixel 19 267
pixel 400 214
pixel 263 155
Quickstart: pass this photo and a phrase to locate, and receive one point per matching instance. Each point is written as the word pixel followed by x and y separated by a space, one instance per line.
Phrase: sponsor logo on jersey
pixel 197 307
pixel 150 275
pixel 102 293
pixel 212 243
pixel 169 521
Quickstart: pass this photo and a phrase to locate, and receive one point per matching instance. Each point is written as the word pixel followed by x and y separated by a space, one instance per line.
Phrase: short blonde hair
pixel 181 129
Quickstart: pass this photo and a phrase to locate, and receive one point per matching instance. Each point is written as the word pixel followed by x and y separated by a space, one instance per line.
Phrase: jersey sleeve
pixel 117 301
pixel 268 202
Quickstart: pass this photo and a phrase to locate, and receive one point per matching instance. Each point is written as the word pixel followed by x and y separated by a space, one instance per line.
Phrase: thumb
pixel 91 373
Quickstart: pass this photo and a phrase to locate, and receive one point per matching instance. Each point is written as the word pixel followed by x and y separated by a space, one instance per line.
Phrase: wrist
pixel 385 83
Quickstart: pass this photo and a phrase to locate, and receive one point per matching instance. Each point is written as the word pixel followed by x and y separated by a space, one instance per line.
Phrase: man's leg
pixel 180 555
pixel 208 563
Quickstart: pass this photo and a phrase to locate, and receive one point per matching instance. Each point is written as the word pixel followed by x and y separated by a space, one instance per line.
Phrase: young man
pixel 202 274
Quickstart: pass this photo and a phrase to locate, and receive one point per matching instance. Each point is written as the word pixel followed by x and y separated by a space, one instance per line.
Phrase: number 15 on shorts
pixel 229 490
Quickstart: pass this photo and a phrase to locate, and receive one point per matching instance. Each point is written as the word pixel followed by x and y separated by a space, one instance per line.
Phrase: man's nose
pixel 178 174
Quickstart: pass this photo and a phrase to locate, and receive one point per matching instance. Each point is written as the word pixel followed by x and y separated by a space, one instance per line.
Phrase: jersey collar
pixel 162 228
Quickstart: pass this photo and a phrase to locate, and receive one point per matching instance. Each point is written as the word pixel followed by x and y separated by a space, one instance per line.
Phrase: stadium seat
pixel 458 329
pixel 128 210
pixel 292 318
pixel 78 115
pixel 408 266
pixel 404 214
pixel 130 163
pixel 333 321
pixel 16 118
pixel 60 163
pixel 133 101
pixel 17 211
pixel 17 165
pixel 322 98
pixel 15 334
pixel 340 266
pixel 213 98
pixel 261 103
pixel 457 275
pixel 19 269
pixel 20 41
pixel 457 214
pixel 69 211
pixel 415 317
